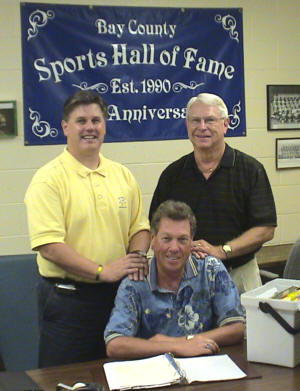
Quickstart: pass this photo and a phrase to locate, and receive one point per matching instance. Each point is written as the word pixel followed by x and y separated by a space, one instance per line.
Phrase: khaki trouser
pixel 246 277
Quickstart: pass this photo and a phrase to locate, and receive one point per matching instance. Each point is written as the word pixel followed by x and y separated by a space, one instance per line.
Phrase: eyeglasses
pixel 207 120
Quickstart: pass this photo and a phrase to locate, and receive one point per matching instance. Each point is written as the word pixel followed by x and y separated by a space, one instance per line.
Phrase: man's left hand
pixel 184 347
pixel 201 248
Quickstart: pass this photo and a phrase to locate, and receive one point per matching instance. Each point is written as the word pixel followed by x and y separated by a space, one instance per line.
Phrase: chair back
pixel 292 266
pixel 18 312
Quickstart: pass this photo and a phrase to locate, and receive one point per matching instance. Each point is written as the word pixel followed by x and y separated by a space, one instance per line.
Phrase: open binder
pixel 165 370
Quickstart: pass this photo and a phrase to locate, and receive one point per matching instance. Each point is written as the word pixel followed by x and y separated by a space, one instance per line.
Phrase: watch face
pixel 227 248
pixel 189 337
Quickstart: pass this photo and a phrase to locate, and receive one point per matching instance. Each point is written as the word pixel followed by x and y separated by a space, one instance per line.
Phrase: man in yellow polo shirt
pixel 86 221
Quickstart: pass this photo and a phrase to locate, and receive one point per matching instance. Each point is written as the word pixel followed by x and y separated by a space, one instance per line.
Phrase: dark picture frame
pixel 8 119
pixel 283 107
pixel 287 153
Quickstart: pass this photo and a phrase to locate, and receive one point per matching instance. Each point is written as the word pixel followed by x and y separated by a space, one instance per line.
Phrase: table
pixel 273 378
pixel 272 255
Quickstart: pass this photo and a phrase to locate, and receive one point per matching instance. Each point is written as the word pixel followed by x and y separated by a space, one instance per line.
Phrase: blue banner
pixel 145 62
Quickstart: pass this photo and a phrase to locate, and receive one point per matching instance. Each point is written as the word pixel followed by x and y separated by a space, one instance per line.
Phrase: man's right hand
pixel 130 264
pixel 197 346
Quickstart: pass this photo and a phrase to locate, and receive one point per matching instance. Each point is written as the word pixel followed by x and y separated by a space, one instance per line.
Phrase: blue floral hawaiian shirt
pixel 206 298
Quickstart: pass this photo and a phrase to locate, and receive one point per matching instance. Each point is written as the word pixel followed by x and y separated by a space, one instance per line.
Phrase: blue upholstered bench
pixel 18 312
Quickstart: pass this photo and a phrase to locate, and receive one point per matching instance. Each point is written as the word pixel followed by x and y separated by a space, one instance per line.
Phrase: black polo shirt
pixel 236 197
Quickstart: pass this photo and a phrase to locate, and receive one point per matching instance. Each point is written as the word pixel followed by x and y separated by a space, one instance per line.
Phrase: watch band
pixel 99 270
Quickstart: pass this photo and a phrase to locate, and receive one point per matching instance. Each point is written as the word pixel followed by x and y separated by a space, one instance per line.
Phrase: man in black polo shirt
pixel 228 191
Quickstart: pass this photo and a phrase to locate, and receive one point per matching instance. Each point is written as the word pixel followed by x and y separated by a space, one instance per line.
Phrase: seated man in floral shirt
pixel 186 306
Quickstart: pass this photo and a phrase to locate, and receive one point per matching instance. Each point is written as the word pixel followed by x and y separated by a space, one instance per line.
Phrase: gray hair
pixel 174 210
pixel 211 100
pixel 83 98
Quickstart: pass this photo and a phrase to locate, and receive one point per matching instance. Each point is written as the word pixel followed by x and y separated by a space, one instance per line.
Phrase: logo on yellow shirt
pixel 122 202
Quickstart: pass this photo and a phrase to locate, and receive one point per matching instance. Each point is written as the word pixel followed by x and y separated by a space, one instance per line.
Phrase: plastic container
pixel 267 340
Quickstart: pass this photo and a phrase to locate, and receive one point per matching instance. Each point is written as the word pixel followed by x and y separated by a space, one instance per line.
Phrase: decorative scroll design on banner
pixel 179 86
pixel 234 118
pixel 41 128
pixel 228 23
pixel 145 68
pixel 101 88
pixel 38 19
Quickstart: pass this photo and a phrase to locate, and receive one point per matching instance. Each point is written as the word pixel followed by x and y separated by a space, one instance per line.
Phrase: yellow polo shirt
pixel 96 212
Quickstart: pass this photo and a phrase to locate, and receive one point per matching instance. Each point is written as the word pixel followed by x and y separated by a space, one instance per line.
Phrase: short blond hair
pixel 211 100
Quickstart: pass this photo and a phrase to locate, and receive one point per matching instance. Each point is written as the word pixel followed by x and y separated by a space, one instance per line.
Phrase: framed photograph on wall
pixel 287 152
pixel 283 107
pixel 8 119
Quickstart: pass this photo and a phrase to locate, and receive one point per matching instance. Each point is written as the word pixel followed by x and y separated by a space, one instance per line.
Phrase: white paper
pixel 157 371
pixel 145 373
pixel 210 368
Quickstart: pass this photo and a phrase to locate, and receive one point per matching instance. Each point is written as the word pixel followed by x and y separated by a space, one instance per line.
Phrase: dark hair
pixel 83 98
pixel 174 210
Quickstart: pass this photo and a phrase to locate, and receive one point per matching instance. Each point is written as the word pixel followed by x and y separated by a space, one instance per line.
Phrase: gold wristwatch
pixel 227 250
pixel 190 336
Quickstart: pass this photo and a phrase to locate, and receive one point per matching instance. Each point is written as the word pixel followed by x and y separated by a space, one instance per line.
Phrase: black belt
pixel 83 290
pixel 79 284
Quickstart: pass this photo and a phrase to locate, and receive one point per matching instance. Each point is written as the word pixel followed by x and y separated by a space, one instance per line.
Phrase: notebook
pixel 165 370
